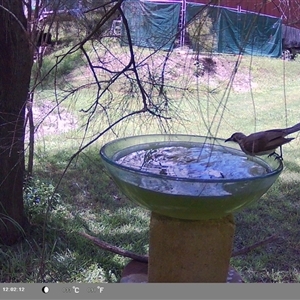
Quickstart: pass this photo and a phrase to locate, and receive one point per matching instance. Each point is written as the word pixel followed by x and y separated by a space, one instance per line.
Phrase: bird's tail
pixel 293 129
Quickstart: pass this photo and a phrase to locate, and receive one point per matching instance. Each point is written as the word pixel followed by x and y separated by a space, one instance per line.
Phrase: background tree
pixel 15 70
pixel 134 80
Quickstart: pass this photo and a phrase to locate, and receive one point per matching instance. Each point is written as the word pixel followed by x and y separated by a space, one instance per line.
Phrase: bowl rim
pixel 103 155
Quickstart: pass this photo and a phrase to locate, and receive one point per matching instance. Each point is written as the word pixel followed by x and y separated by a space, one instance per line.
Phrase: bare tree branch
pixel 144 258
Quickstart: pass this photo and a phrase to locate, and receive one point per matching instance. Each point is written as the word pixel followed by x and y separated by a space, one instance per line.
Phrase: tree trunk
pixel 15 70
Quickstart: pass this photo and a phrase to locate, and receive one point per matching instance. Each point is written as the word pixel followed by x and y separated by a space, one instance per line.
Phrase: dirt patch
pixel 52 121
pixel 180 63
pixel 224 70
pixel 216 71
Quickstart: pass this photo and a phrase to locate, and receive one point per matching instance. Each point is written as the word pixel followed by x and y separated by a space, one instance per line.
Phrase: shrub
pixel 39 197
pixel 201 32
pixel 51 75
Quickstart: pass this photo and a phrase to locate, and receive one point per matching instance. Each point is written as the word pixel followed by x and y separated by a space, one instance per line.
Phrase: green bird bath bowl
pixel 192 185
pixel 188 177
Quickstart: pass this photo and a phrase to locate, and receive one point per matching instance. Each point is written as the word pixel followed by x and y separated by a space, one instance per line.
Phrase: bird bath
pixel 192 185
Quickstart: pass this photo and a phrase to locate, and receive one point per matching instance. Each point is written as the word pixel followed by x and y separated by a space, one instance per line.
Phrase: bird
pixel 264 142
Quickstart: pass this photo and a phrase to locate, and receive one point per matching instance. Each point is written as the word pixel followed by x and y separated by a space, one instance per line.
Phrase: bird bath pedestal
pixel 189 251
pixel 192 185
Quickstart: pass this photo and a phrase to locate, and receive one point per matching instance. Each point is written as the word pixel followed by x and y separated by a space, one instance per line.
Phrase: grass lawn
pixel 262 94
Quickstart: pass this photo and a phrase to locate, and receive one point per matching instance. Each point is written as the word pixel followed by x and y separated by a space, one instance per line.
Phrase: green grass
pixel 90 202
pixel 264 95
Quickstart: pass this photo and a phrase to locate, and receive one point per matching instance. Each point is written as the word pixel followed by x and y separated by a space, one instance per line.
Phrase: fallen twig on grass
pixel 144 258
pixel 114 249
pixel 255 245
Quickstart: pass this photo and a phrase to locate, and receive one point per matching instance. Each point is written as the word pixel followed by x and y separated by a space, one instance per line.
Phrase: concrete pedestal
pixel 189 251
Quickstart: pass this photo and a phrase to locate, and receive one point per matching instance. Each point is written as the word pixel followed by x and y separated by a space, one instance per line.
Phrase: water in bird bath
pixel 204 162
pixel 194 162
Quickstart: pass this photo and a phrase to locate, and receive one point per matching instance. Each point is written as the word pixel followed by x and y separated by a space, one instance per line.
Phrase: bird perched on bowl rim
pixel 264 142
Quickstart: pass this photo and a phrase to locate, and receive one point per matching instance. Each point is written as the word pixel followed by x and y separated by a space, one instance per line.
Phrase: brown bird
pixel 264 142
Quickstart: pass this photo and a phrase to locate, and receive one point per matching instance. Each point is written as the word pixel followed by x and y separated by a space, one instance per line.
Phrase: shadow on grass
pixel 90 202
pixel 277 212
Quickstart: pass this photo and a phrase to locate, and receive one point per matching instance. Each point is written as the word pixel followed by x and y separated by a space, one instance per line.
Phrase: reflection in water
pixel 204 162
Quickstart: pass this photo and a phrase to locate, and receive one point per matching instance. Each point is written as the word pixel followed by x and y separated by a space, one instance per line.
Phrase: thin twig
pixel 255 245
pixel 144 258
pixel 114 249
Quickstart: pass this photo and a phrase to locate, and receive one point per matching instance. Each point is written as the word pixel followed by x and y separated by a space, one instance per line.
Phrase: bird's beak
pixel 228 140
